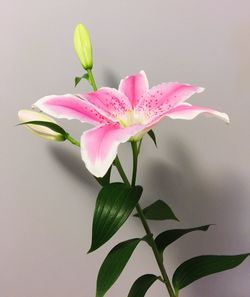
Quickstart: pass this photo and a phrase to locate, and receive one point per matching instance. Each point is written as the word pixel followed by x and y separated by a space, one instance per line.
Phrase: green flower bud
pixel 82 45
pixel 26 115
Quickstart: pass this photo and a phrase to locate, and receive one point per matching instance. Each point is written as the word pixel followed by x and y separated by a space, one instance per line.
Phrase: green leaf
pixel 198 267
pixel 50 125
pixel 152 136
pixel 159 210
pixel 103 181
pixel 79 78
pixel 141 285
pixel 114 264
pixel 114 204
pixel 167 237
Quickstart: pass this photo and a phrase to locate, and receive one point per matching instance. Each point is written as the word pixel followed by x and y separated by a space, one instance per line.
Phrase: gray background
pixel 201 167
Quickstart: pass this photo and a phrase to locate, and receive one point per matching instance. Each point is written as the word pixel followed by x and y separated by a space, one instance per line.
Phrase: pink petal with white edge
pixel 99 146
pixel 71 107
pixel 187 111
pixel 110 101
pixel 165 96
pixel 134 87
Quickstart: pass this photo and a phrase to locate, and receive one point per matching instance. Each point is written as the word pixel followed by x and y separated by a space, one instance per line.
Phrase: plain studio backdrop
pixel 201 167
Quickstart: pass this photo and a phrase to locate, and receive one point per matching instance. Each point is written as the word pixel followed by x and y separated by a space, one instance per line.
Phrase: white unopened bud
pixel 26 115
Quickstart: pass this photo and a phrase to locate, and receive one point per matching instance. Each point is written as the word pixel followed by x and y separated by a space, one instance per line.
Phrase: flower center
pixel 130 118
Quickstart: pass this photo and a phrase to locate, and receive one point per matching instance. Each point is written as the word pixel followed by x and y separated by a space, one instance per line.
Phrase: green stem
pixel 155 251
pixel 157 255
pixel 123 175
pixel 73 141
pixel 153 245
pixel 91 79
pixel 135 162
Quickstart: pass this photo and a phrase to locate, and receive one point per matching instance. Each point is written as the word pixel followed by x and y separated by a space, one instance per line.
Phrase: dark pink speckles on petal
pixel 71 107
pixel 109 100
pixel 165 96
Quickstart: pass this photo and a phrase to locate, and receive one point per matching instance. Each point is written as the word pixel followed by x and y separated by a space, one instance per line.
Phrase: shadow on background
pixel 70 161
pixel 198 198
pixel 188 187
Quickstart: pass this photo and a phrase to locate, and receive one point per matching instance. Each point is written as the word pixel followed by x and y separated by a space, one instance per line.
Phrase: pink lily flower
pixel 122 115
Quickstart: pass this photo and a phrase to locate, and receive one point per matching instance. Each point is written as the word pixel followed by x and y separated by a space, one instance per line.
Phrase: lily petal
pixel 134 87
pixel 165 96
pixel 99 146
pixel 71 107
pixel 187 111
pixel 110 101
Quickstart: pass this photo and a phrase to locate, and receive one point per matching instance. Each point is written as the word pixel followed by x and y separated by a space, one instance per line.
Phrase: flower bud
pixel 26 115
pixel 82 45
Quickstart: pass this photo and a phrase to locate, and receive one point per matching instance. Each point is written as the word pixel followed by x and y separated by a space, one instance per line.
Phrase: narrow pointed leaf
pixel 159 210
pixel 198 267
pixel 50 125
pixel 167 237
pixel 79 78
pixel 152 136
pixel 86 76
pixel 114 204
pixel 114 264
pixel 141 285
